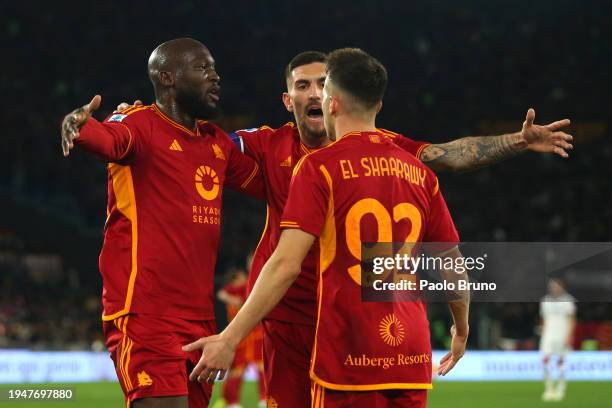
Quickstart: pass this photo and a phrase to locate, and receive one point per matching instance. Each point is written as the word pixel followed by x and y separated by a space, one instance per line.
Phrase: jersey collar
pixel 177 125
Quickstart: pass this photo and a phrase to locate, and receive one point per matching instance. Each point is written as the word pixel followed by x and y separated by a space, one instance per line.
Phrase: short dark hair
pixel 359 74
pixel 305 58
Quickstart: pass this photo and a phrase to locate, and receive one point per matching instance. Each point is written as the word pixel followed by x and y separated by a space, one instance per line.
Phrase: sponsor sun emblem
pixel 391 330
pixel 207 183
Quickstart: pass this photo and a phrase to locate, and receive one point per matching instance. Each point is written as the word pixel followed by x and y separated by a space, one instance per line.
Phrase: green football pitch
pixel 444 394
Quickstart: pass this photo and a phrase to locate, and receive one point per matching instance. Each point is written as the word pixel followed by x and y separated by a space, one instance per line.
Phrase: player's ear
pixel 378 106
pixel 333 105
pixel 287 102
pixel 166 78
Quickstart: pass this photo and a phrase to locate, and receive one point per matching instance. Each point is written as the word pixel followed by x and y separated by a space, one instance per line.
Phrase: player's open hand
pixel 458 345
pixel 125 105
pixel 216 360
pixel 74 121
pixel 548 138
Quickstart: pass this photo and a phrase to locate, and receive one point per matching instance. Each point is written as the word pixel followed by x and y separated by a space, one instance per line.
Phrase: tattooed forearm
pixel 471 153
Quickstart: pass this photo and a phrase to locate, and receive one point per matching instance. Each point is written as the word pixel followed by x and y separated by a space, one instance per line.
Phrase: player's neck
pixel 348 125
pixel 171 109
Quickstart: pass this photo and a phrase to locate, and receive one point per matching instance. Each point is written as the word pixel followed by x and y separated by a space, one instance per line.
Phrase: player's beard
pixel 314 132
pixel 194 103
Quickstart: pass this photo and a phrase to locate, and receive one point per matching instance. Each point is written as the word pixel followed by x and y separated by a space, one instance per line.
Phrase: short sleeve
pixel 251 141
pixel 440 226
pixel 243 174
pixel 118 138
pixel 308 201
pixel 414 147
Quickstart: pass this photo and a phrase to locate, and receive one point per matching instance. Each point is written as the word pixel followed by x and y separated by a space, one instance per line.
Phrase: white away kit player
pixel 558 312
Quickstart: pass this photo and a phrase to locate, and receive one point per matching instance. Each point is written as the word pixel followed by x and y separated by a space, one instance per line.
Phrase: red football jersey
pixel 165 184
pixel 277 151
pixel 362 188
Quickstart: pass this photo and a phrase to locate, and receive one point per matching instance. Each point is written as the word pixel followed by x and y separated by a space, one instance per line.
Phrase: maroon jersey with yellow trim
pixel 165 184
pixel 363 188
pixel 277 151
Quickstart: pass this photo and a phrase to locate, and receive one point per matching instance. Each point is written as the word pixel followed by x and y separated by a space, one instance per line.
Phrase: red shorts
pixel 287 350
pixel 146 351
pixel 324 397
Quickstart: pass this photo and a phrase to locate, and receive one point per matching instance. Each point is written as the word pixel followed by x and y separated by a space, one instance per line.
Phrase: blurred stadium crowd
pixel 454 71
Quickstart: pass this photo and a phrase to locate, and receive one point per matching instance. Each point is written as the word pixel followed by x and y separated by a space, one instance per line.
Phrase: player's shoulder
pixel 565 299
pixel 411 158
pixel 430 177
pixel 546 299
pixel 389 134
pixel 310 162
pixel 392 136
pixel 407 156
pixel 132 114
pixel 318 160
pixel 263 137
pixel 569 299
pixel 325 153
pixel 210 129
pixel 267 131
pixel 408 143
pixel 286 129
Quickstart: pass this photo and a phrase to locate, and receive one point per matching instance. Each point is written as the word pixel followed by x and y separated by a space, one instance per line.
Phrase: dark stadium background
pixel 456 69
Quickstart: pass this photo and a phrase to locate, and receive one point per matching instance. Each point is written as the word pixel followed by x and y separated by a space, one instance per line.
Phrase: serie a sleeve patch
pixel 117 118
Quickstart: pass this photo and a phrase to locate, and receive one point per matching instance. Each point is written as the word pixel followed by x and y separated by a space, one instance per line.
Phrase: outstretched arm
pixel 277 275
pixel 74 121
pixel 111 142
pixel 474 152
